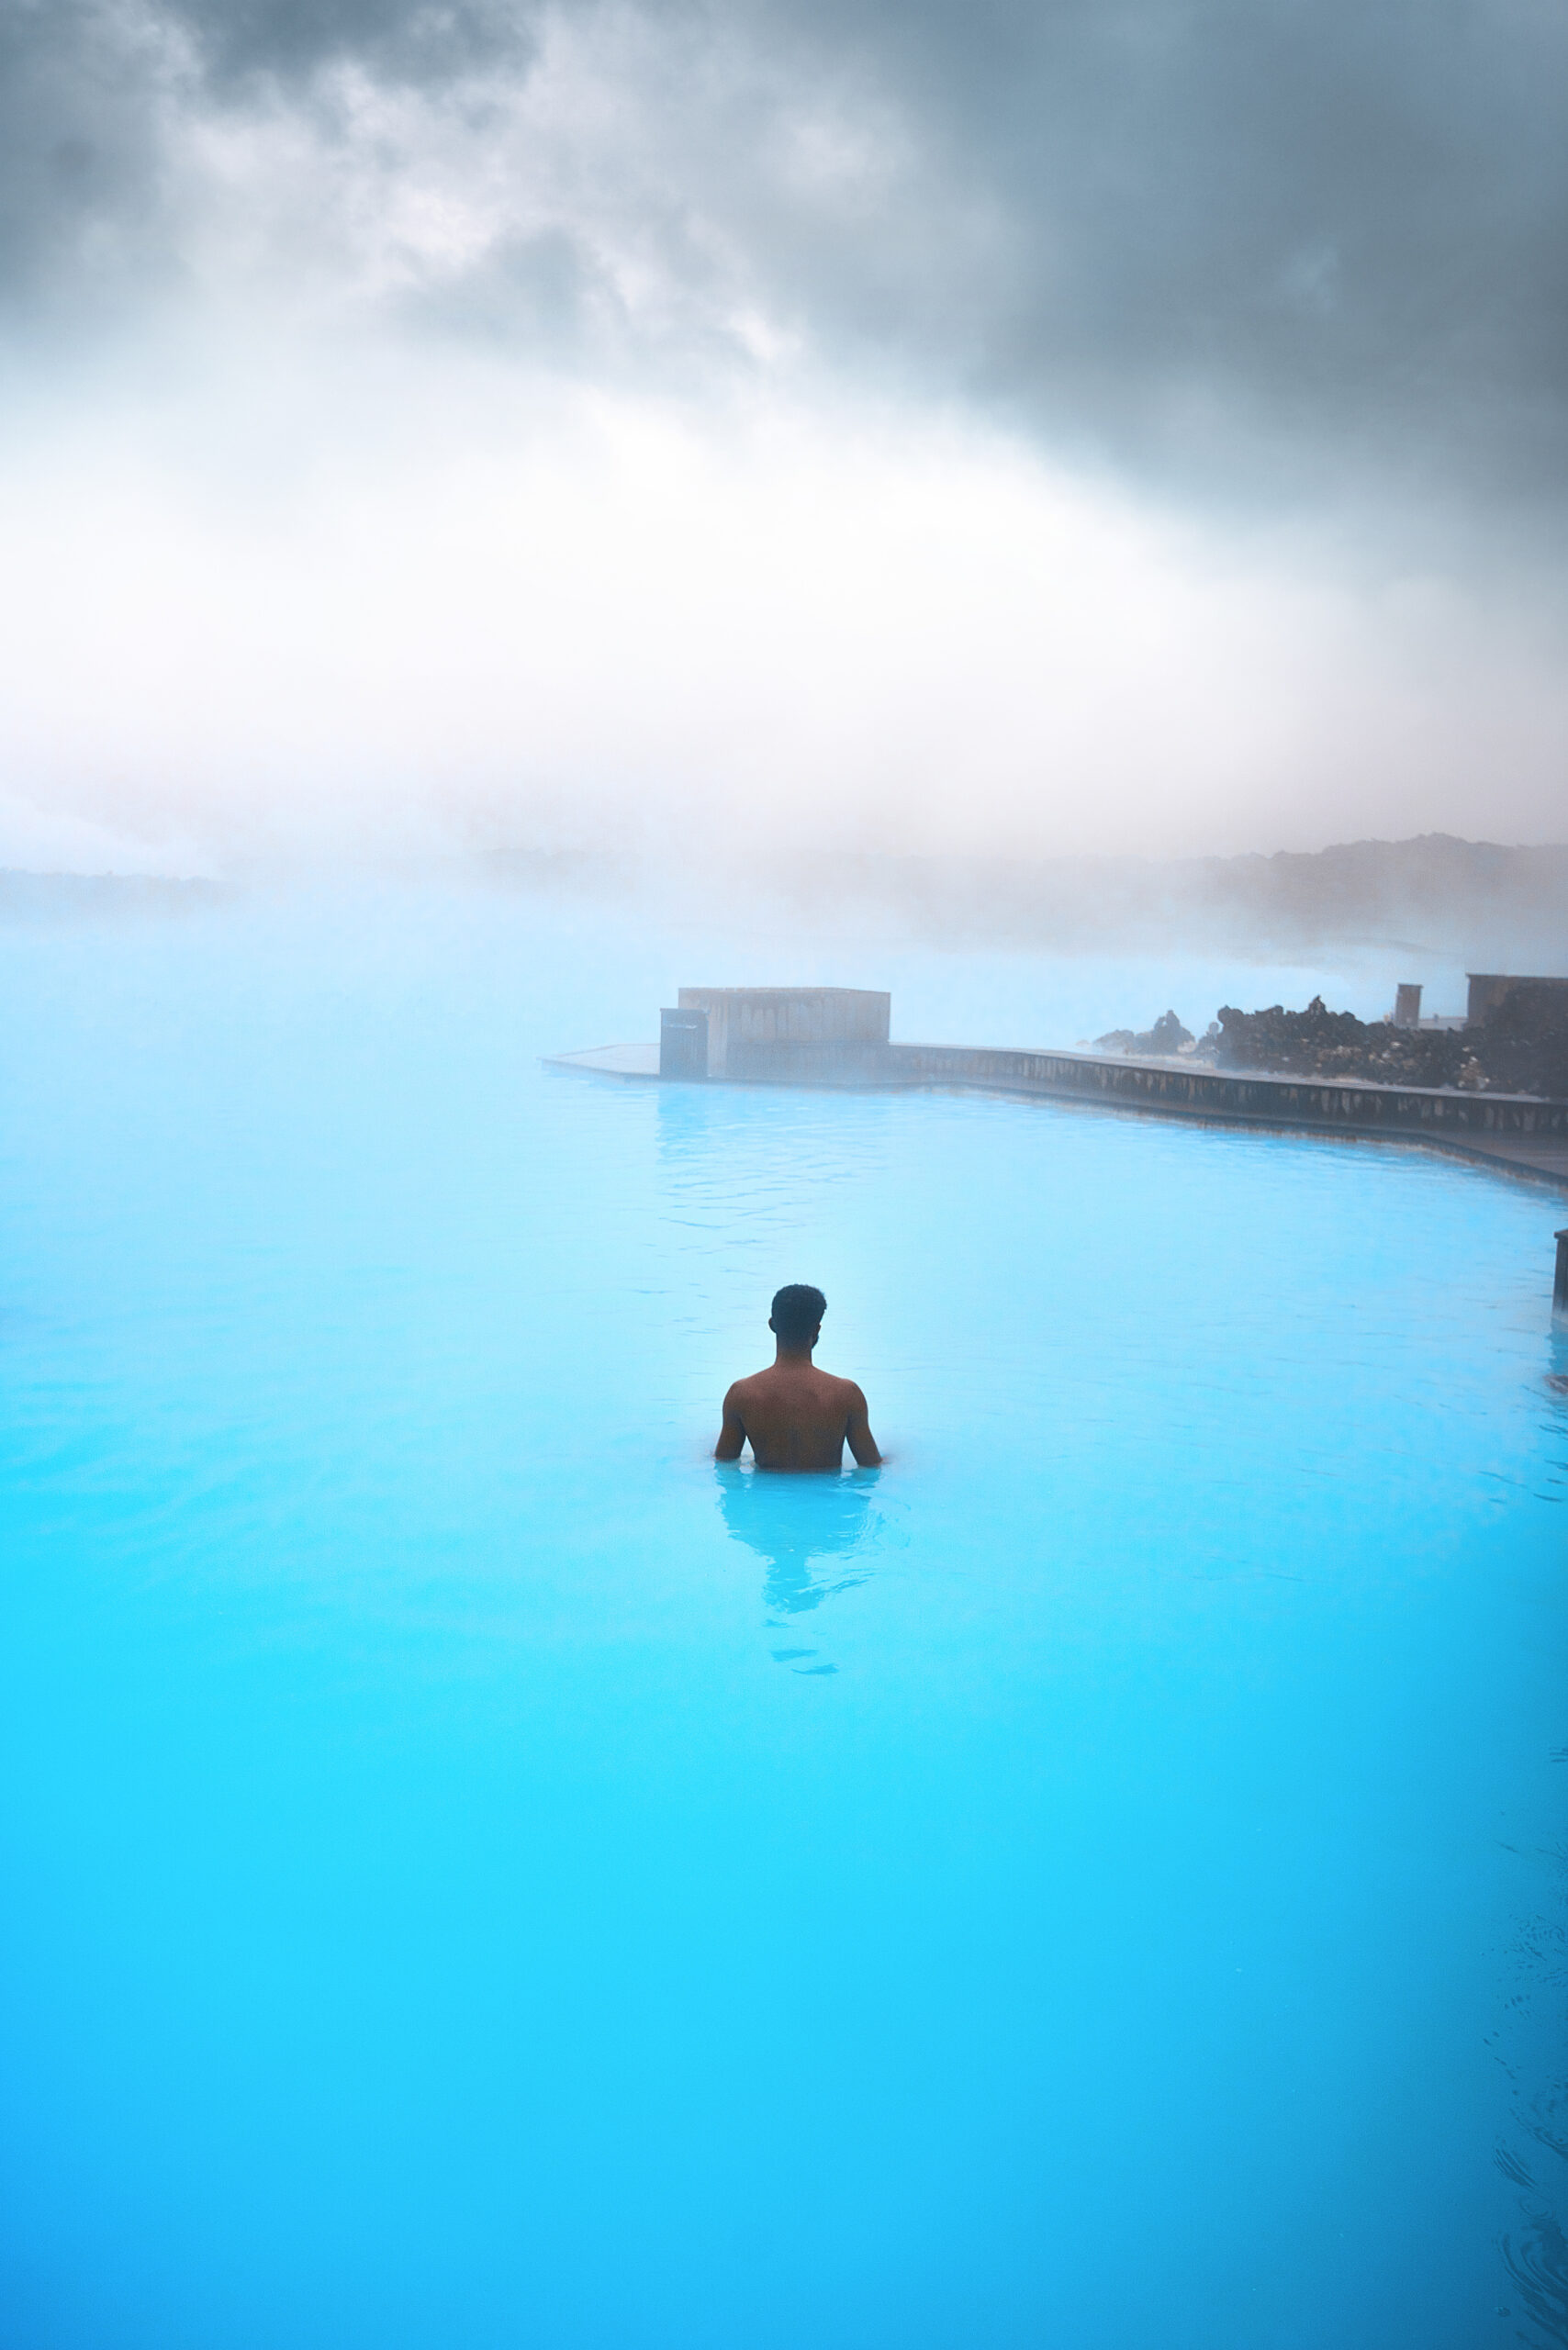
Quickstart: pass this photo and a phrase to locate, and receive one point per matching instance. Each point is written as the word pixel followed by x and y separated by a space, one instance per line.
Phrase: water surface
pixel 479 1874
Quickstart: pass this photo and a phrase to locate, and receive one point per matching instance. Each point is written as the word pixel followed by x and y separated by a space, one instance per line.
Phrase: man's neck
pixel 793 1358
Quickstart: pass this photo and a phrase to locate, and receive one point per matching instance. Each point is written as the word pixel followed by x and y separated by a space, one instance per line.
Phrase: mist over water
pixel 476 1869
pixel 506 510
pixel 273 608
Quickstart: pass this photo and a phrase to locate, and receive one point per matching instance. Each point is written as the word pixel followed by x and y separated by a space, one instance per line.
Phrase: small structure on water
pixel 788 1034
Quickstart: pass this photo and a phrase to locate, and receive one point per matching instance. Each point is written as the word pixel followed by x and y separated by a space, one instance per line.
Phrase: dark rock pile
pixel 1320 1043
pixel 1166 1035
pixel 1521 1048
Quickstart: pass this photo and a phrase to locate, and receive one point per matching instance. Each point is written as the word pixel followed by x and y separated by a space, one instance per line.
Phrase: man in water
pixel 794 1415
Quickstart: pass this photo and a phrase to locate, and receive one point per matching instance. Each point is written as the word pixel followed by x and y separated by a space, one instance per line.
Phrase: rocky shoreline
pixel 1521 1047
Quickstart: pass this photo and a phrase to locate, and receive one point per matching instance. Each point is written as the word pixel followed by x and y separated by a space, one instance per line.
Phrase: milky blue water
pixel 477 1874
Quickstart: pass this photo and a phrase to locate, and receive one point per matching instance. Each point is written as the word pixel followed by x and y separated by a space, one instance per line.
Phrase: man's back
pixel 793 1416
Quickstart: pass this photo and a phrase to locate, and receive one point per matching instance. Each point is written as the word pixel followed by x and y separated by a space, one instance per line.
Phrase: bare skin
pixel 795 1417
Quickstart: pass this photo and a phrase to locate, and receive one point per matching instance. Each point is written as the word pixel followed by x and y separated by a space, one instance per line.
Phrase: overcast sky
pixel 1028 426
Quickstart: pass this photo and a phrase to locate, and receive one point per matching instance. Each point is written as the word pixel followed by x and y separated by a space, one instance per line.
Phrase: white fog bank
pixel 276 608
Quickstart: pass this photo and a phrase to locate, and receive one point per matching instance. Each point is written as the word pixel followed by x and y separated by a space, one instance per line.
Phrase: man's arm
pixel 731 1436
pixel 862 1443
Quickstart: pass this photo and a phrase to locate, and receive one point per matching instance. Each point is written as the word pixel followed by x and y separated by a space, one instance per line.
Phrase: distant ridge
pixel 1475 902
pixel 56 897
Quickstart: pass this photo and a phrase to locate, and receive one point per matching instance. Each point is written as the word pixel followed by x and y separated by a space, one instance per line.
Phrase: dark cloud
pixel 80 140
pixel 410 40
pixel 1249 241
pixel 1263 223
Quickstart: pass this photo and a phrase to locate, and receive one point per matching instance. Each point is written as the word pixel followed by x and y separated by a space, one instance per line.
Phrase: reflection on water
pixel 1529 2039
pixel 814 1534
pixel 1557 1371
pixel 1553 1485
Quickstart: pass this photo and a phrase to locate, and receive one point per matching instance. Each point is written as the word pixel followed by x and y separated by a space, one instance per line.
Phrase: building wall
pixel 1345 1107
pixel 759 1019
pixel 1487 990
pixel 1349 1108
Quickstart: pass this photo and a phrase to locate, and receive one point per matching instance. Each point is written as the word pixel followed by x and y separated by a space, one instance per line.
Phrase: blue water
pixel 475 1873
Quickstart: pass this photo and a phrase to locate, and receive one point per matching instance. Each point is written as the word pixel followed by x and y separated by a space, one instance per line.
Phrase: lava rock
pixel 1165 1037
pixel 1522 1047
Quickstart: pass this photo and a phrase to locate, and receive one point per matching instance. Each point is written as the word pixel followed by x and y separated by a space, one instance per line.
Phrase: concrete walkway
pixel 1538 1162
pixel 1513 1134
pixel 611 1060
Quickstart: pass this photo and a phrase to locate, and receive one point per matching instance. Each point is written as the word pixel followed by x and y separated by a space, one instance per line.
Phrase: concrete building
pixel 1487 990
pixel 793 1035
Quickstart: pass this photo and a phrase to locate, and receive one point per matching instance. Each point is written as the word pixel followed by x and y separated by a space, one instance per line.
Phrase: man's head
pixel 798 1310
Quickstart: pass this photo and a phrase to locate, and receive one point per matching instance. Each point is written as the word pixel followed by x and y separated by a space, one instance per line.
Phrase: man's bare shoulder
pixel 784 1380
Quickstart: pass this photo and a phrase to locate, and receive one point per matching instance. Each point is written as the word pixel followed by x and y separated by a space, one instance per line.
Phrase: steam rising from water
pixel 401 611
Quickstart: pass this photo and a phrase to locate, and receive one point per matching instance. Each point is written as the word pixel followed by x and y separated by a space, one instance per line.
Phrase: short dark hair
pixel 797 1310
